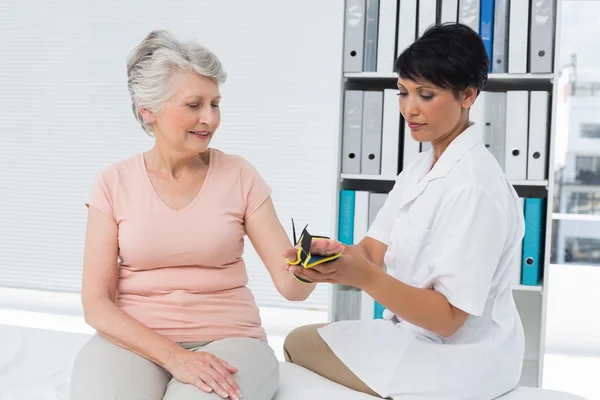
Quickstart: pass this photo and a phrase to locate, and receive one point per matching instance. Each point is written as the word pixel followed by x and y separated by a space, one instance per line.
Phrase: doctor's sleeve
pixel 468 239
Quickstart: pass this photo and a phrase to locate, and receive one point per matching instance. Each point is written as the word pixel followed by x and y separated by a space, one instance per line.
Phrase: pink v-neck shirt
pixel 181 273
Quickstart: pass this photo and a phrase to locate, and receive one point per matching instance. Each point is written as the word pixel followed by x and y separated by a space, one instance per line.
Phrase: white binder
pixel 427 15
pixel 371 32
pixel 518 34
pixel 411 147
pixel 495 139
pixel 426 146
pixel 407 24
pixel 386 41
pixel 449 11
pixel 517 128
pixel 500 41
pixel 542 33
pixel 469 13
pixel 538 135
pixel 371 134
pixel 361 215
pixel 352 131
pixel 390 140
pixel 354 35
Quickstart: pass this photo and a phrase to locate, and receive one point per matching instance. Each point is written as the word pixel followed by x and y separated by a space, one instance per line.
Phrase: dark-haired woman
pixel 447 235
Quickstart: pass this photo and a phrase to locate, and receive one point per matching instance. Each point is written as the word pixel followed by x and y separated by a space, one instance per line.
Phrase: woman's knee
pixel 304 339
pixel 103 370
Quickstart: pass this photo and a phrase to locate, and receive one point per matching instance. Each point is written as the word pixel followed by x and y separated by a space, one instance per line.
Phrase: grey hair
pixel 152 63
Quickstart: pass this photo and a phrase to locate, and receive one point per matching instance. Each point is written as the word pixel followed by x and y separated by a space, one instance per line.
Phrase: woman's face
pixel 190 117
pixel 432 113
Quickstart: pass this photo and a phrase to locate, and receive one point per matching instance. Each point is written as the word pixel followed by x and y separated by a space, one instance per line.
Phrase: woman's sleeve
pixel 468 238
pixel 101 196
pixel 254 188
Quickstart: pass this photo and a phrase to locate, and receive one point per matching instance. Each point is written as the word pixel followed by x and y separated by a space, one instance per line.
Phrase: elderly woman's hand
pixel 205 371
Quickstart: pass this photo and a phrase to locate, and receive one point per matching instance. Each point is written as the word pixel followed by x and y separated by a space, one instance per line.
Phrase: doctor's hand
pixel 350 269
pixel 320 247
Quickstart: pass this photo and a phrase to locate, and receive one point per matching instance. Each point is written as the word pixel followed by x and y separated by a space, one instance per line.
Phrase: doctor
pixel 447 235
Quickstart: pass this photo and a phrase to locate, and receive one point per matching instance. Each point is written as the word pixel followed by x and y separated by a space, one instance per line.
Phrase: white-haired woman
pixel 164 281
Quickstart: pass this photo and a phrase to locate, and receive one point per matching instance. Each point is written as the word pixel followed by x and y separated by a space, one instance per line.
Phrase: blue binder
pixel 486 27
pixel 346 217
pixel 531 266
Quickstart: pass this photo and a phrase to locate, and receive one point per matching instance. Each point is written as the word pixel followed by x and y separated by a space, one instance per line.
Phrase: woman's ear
pixel 147 115
pixel 469 96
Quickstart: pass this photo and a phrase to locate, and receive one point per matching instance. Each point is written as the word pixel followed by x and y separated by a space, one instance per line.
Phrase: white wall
pixel 66 115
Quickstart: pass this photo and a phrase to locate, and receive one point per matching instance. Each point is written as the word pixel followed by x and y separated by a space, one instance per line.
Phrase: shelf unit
pixel 531 300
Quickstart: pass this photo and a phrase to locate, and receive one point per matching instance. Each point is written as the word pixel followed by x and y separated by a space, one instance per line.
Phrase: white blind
pixel 65 115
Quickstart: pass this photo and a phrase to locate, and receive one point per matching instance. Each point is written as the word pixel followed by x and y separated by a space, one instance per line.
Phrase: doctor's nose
pixel 408 107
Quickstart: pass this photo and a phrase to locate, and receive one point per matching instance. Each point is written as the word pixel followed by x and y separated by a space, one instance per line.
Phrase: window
pixel 582 250
pixel 583 203
pixel 590 131
pixel 588 169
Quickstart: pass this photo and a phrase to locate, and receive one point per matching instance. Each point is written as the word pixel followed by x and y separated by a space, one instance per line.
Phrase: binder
pixel 495 136
pixel 407 24
pixel 376 202
pixel 346 217
pixel 386 40
pixel 469 13
pixel 532 242
pixel 518 34
pixel 477 114
pixel 354 34
pixel 390 137
pixel 517 128
pixel 542 33
pixel 486 27
pixel 538 135
pixel 427 15
pixel 411 147
pixel 500 41
pixel 352 131
pixel 371 132
pixel 361 215
pixel 449 12
pixel 426 146
pixel 371 30
pixel 515 265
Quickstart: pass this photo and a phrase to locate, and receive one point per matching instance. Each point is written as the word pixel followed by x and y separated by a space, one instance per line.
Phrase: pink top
pixel 181 273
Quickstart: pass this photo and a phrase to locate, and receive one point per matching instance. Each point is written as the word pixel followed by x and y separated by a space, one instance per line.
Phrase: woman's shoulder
pixel 229 161
pixel 123 169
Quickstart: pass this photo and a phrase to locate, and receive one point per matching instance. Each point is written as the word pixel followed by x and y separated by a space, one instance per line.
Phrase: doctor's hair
pixel 450 56
pixel 152 63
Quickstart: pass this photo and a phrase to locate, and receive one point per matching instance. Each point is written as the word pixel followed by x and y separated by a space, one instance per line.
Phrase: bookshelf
pixel 531 299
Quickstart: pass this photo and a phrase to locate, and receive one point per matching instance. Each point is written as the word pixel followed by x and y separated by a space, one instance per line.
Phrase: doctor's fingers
pixel 311 275
pixel 326 268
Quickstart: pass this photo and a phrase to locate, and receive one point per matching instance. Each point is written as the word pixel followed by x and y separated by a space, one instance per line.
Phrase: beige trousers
pixel 305 347
pixel 105 371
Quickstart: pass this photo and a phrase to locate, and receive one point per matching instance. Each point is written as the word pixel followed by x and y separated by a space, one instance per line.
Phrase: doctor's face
pixel 433 113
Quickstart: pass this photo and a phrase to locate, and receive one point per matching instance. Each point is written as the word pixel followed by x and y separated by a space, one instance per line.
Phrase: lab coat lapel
pixel 422 173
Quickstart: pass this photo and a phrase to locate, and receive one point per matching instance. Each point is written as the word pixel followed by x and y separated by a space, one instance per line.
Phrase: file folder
pixel 449 12
pixel 371 134
pixel 500 42
pixel 486 27
pixel 515 265
pixel 518 34
pixel 386 40
pixel 427 15
pixel 407 24
pixel 354 35
pixel 371 30
pixel 517 128
pixel 531 267
pixel 352 131
pixel 411 148
pixel 390 140
pixel 346 217
pixel 469 13
pixel 542 33
pixel 538 135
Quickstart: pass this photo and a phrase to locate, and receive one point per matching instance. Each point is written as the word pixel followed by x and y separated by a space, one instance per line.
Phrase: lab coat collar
pixel 423 173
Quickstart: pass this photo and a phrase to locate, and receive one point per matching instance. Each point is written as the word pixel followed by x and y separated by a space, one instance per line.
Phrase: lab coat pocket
pixel 415 253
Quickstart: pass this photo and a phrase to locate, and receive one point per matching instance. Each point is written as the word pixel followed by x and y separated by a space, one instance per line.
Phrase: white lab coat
pixel 454 228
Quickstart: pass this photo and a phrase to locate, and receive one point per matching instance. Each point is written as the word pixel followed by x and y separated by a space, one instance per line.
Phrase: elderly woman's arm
pixel 270 242
pixel 100 272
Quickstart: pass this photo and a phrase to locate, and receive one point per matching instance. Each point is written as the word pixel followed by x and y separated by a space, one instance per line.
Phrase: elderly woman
pixel 448 232
pixel 164 281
